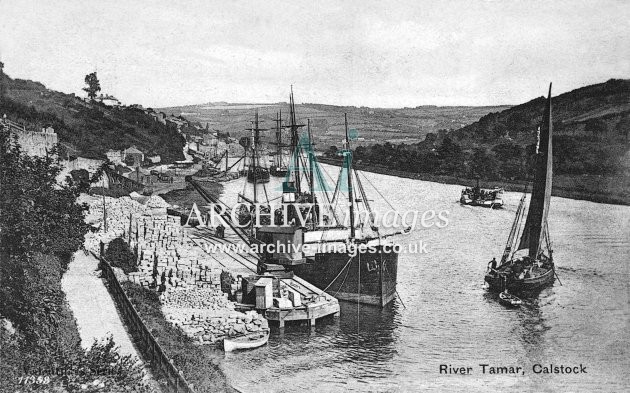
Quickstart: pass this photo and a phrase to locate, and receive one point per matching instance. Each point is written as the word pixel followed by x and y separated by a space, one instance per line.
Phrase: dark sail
pixel 536 223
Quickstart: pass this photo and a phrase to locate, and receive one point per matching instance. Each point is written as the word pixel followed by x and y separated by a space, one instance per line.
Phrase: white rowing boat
pixel 248 341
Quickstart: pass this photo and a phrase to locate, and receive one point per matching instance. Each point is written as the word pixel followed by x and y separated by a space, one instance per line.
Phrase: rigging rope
pixel 333 280
pixel 359 299
pixel 379 193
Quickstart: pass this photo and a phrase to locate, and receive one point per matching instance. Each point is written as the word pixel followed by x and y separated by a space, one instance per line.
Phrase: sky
pixel 356 52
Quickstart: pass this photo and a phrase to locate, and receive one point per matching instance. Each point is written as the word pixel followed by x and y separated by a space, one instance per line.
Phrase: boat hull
pixel 278 171
pixel 496 282
pixel 368 278
pixel 250 341
pixel 260 177
pixel 483 203
pixel 482 197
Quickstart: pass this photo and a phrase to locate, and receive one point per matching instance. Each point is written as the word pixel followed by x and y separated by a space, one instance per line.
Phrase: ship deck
pixel 319 305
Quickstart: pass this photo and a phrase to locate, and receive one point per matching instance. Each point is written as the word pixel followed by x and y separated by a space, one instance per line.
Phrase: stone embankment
pixel 169 262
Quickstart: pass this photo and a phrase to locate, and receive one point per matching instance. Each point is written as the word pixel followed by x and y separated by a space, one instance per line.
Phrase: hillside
pixel 591 145
pixel 375 125
pixel 88 129
pixel 598 112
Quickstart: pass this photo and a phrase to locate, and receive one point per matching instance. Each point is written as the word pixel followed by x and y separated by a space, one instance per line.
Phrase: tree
pixel 2 87
pixel 93 85
pixel 483 164
pixel 38 214
pixel 450 156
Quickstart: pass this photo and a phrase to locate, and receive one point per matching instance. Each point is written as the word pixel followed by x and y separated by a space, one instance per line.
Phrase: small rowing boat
pixel 508 299
pixel 247 341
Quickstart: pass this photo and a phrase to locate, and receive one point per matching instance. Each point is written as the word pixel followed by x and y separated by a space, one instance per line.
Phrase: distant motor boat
pixel 476 196
pixel 247 341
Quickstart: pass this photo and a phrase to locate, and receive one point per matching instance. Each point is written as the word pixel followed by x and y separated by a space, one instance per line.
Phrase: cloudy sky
pixel 359 52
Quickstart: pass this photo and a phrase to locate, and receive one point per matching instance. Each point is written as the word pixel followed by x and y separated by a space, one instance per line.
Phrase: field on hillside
pixel 374 125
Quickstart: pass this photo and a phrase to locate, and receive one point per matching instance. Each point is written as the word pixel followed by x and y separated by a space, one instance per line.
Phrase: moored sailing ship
pixel 279 167
pixel 366 276
pixel 534 270
pixel 256 173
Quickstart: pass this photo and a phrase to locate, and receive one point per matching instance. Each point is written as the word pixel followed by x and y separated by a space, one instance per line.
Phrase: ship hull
pixel 278 171
pixel 368 278
pixel 260 177
pixel 481 202
pixel 496 282
pixel 482 197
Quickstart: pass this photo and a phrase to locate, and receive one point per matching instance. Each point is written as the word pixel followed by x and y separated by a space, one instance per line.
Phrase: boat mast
pixel 255 127
pixel 295 144
pixel 310 160
pixel 311 171
pixel 104 208
pixel 348 165
pixel 279 140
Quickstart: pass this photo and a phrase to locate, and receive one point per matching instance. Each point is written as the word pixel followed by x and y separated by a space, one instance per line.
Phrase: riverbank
pixel 598 189
pixel 174 287
pixel 199 364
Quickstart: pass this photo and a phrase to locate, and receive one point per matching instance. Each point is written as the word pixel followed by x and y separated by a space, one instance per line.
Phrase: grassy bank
pixel 601 189
pixel 199 364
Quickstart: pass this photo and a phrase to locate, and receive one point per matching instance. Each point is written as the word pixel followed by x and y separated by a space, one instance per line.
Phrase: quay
pixel 313 303
pixel 201 291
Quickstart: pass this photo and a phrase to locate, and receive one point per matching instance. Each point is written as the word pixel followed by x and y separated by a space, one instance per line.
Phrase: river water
pixel 446 316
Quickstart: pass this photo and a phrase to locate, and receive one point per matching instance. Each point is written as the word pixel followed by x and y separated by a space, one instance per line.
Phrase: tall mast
pixel 295 143
pixel 255 127
pixel 310 161
pixel 311 171
pixel 279 139
pixel 348 165
pixel 104 208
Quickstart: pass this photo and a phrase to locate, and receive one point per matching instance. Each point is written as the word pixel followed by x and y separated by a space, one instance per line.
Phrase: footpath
pixel 92 305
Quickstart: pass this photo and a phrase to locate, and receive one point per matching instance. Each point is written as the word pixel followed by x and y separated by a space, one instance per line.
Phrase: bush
pixel 120 255
pixel 41 225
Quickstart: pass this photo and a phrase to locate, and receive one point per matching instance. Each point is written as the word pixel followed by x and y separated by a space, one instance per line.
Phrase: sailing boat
pixel 279 167
pixel 534 270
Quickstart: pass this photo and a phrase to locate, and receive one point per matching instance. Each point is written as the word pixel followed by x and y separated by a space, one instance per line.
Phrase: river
pixel 446 316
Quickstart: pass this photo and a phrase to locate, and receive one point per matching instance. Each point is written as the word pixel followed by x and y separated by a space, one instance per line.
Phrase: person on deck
pixel 220 231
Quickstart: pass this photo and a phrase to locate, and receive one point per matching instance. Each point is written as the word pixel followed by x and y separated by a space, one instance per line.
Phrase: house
pixel 115 156
pixel 155 159
pixel 176 121
pixel 158 116
pixel 209 139
pixel 193 146
pixel 134 155
pixel 108 100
